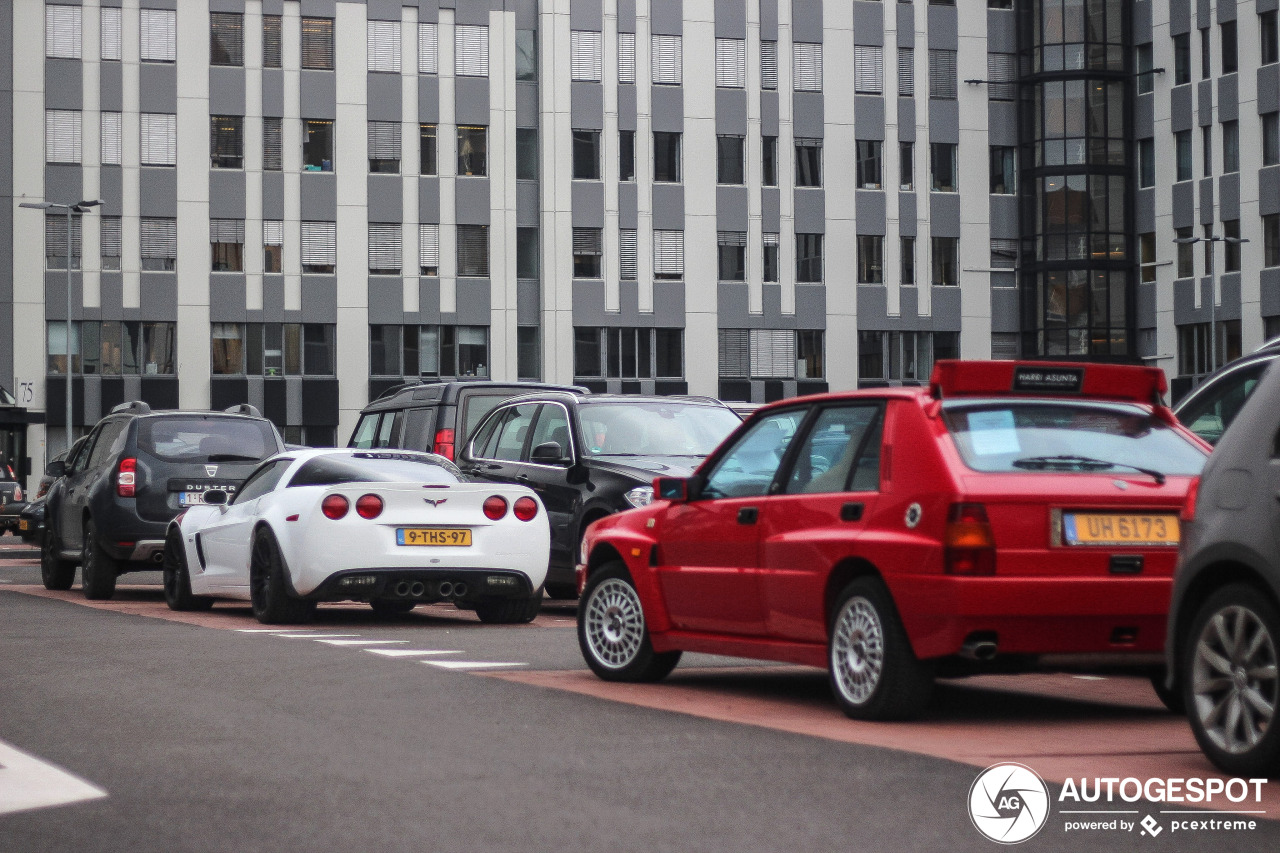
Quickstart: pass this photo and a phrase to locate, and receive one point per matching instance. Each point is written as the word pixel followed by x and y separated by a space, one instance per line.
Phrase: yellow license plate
pixel 449 537
pixel 23 524
pixel 1081 528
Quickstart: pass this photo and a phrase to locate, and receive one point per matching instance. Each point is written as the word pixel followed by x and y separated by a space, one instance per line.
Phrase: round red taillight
pixel 495 507
pixel 525 509
pixel 369 506
pixel 335 507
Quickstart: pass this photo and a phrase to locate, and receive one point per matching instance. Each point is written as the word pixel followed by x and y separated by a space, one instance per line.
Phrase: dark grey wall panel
pixel 1267 6
pixel 1144 115
pixel 386 300
pixel 668 207
pixel 474 300
pixel 1270 281
pixel 226 194
pixel 587 106
pixel 272 195
pixel 770 203
pixel 1229 197
pixel 732 208
pixel 769 19
pixel 1004 309
pixel 272 310
pixel 158 296
pixel 1145 212
pixel 945 309
pixel 1180 108
pixel 1184 204
pixel 944 117
pixel 906 119
pixel 385 101
pixel 111 293
pixel 1141 21
pixel 731 19
pixel 944 214
pixel 528 303
pixel 1204 100
pixel 868 23
pixel 1206 201
pixel 1268 190
pixel 63 183
pixel 667 109
pixel 317 98
pixel 588 204
pixel 383 10
pixel 1229 97
pixel 227 298
pixel 769 113
pixel 272 92
pixel 1004 216
pixel 1146 317
pixel 386 198
pixel 868 117
pixel 63 87
pixel 55 295
pixel 111 190
pixel 527 211
pixel 731 111
pixel 526 105
pixel 807 115
pixel 907 214
pixel 1269 88
pixel 319 8
pixel 471 201
pixel 811 211
pixel 943 34
pixel 158 191
pixel 1179 16
pixel 1002 31
pixel 319 300
pixel 626 108
pixel 626 16
pixel 471 100
pixel 471 12
pixel 158 88
pixel 628 205
pixel 111 86
pixel 870 211
pixel 526 14
pixel 226 91
pixel 586 15
pixel 428 99
pixel 1002 123
pixel 319 193
pixel 428 199
pixel 667 16
pixel 806 21
pixel 428 300
pixel 906 25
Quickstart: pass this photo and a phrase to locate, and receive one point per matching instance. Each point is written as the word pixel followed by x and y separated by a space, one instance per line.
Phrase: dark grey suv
pixel 1224 620
pixel 109 510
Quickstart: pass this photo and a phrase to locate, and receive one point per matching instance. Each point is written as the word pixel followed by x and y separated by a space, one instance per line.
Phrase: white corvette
pixel 393 528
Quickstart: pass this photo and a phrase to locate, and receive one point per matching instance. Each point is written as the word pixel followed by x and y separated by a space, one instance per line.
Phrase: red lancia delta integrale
pixel 1010 511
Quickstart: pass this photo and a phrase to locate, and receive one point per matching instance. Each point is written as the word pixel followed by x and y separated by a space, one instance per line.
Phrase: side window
pixel 750 465
pixel 106 440
pixel 832 451
pixel 514 431
pixel 552 425
pixel 483 445
pixel 79 460
pixel 366 431
pixel 1214 412
pixel 475 407
pixel 418 429
pixel 262 481
pixel 389 430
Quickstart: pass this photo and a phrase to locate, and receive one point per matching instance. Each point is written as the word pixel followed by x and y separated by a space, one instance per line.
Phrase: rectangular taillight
pixel 126 477
pixel 969 543
pixel 444 443
pixel 1189 504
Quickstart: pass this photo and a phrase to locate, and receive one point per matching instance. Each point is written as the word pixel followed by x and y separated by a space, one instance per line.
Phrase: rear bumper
pixel 422 585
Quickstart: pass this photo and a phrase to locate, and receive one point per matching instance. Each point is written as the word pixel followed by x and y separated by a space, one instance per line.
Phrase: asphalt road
pixel 212 735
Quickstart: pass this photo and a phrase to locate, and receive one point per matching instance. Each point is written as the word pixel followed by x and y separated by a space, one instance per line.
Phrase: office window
pixel 1004 254
pixel 1004 170
pixel 427 149
pixel 768 65
pixel 1181 59
pixel 907 261
pixel 471 51
pixel 226 142
pixel 382 39
pixel 226 38
pixel 473 150
pixel 272 246
pixel 586 155
pixel 1147 256
pixel 428 248
pixel 731 63
pixel 112 32
pixel 1231 245
pixel 806 74
pixel 729 160
pixel 626 155
pixel 55 241
pixel 159 139
pixel 526 56
pixel 769 259
pixel 473 250
pixel 942 74
pixel 317 43
pixel 527 253
pixel 666 157
pixel 1270 138
pixel 809 258
pixel 1186 253
pixel 668 254
pixel 58 340
pixel 528 353
pixel 628 254
pixel 110 242
pixel 526 153
pixel 226 243
pixel 943 167
pixel 159 244
pixel 319 247
pixel 868 69
pixel 317 145
pixel 384 147
pixel 627 353
pixel 870 259
pixel 731 252
pixel 158 35
pixel 667 60
pixel 904 356
pixel 62 32
pixel 906 166
pixel 272 44
pixel 771 353
pixel 428 48
pixel 995 4
pixel 1230 57
pixel 868 164
pixel 1143 63
pixel 586 52
pixel 769 161
pixel 273 349
pixel 1205 51
pixel 906 72
pixel 946 261
pixel 1206 149
pixel 1002 76
pixel 1182 147
pixel 1270 39
pixel 587 252
pixel 385 248
pixel 63 136
pixel 1230 146
pixel 808 162
pixel 627 58
pixel 272 144
pixel 1146 162
pixel 1271 240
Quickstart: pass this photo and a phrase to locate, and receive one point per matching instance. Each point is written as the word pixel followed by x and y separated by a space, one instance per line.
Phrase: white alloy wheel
pixel 614 623
pixel 857 650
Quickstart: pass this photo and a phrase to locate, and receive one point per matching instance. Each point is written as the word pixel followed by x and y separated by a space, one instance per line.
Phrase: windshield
pixel 654 428
pixel 1046 436
pixel 331 469
pixel 211 439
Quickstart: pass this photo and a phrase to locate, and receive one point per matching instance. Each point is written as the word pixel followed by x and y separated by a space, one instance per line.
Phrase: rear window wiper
pixel 1086 463
pixel 231 457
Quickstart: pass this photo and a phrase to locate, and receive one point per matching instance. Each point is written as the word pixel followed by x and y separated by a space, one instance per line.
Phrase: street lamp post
pixel 80 207
pixel 1210 239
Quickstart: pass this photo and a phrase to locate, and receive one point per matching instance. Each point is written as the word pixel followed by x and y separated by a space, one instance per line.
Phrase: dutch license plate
pixel 191 498
pixel 1082 528
pixel 453 537
pixel 23 524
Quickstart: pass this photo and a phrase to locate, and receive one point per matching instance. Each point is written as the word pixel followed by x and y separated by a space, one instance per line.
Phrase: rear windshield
pixel 654 428
pixel 375 468
pixel 212 439
pixel 1045 436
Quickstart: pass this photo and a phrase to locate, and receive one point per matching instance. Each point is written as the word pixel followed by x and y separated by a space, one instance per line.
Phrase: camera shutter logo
pixel 1009 803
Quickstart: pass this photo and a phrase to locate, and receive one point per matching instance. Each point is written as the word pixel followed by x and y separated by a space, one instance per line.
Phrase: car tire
pixel 98 569
pixel 177 577
pixel 1171 699
pixel 268 592
pixel 509 611
pixel 1229 679
pixel 55 572
pixel 390 607
pixel 874 673
pixel 612 632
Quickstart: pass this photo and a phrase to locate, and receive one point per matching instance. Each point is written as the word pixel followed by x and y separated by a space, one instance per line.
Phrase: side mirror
pixel 55 469
pixel 674 489
pixel 549 453
pixel 216 497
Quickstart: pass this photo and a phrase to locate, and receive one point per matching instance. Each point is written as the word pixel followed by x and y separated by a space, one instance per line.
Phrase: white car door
pixel 225 539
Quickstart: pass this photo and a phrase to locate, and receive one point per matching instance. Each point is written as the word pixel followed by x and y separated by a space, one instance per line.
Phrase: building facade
pixel 305 202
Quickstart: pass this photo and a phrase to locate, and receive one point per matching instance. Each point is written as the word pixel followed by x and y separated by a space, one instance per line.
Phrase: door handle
pixel 748 515
pixel 851 512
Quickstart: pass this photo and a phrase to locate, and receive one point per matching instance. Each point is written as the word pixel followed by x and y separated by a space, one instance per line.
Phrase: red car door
pixel 708 558
pixel 816 516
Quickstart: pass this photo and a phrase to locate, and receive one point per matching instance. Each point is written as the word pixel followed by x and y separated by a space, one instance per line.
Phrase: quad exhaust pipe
pixel 418 589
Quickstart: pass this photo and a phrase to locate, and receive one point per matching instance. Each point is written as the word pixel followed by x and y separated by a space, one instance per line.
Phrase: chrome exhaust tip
pixel 417 589
pixel 402 588
pixel 157 557
pixel 981 650
pixel 459 589
pixel 445 589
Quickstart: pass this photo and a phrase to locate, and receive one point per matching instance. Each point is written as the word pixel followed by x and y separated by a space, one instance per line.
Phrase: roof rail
pixel 396 389
pixel 136 406
pixel 243 409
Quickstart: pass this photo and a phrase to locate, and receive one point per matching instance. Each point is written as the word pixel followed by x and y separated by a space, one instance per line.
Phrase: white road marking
pixel 314 636
pixel 404 653
pixel 295 631
pixel 28 783
pixel 469 664
pixel 1090 677
pixel 360 642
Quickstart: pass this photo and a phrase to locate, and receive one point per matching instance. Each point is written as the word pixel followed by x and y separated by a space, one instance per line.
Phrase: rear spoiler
pixel 1120 382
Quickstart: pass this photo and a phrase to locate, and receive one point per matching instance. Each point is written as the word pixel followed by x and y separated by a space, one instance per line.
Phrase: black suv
pixel 12 500
pixel 590 456
pixel 138 469
pixel 435 417
pixel 1209 409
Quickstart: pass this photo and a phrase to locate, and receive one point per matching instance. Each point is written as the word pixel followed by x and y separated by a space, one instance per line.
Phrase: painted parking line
pixel 404 653
pixel 471 664
pixel 361 642
pixel 315 636
pixel 27 783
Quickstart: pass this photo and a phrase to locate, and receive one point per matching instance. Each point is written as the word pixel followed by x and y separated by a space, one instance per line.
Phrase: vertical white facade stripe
pixel 131 201
pixel 91 99
pixel 254 230
pixel 351 168
pixel 701 269
pixel 786 164
pixel 502 194
pixel 409 160
pixel 291 151
pixel 754 170
pixel 609 152
pixel 975 219
pixel 555 171
pixel 644 158
pixel 193 263
pixel 447 155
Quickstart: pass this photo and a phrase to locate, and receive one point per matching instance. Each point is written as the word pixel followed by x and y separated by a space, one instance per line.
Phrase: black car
pixel 1209 409
pixel 591 455
pixel 12 499
pixel 31 517
pixel 109 508
pixel 435 417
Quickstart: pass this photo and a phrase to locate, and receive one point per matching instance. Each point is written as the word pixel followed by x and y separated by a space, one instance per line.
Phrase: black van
pixel 436 416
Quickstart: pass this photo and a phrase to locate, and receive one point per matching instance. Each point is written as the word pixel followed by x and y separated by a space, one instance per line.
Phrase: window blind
pixel 110 240
pixel 159 238
pixel 942 74
pixel 667 60
pixel 906 72
pixel 384 247
pixel 668 253
pixel 111 26
pixel 770 238
pixel 627 254
pixel 731 238
pixel 159 139
pixel 384 140
pixel 1004 254
pixel 158 31
pixel 384 46
pixel 272 144
pixel 868 69
pixel 807 67
pixel 473 250
pixel 773 353
pixel 271 46
pixel 62 32
pixel 626 57
pixel 55 240
pixel 735 353
pixel 471 51
pixel 63 136
pixel 586 55
pixel 731 63
pixel 226 38
pixel 768 65
pixel 226 231
pixel 428 49
pixel 429 245
pixel 1002 75
pixel 587 241
pixel 273 232
pixel 111 136
pixel 317 43
pixel 319 244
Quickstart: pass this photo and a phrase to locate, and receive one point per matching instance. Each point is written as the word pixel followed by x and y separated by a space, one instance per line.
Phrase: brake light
pixel 970 545
pixel 17 493
pixel 369 506
pixel 495 507
pixel 525 509
pixel 1189 505
pixel 126 477
pixel 334 507
pixel 444 443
